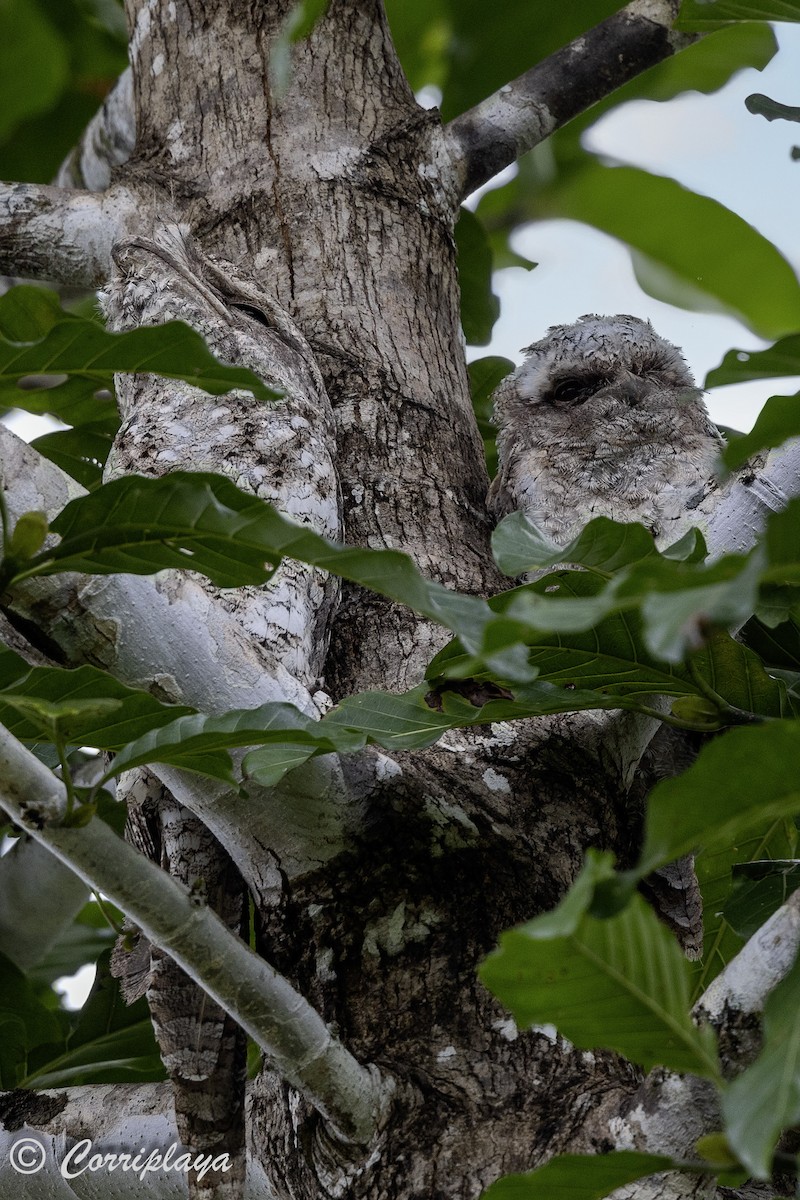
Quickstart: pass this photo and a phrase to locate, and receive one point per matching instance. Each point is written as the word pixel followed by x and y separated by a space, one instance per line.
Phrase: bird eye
pixel 577 387
pixel 569 389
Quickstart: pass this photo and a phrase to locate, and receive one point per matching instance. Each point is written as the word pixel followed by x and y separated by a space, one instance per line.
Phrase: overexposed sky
pixel 711 144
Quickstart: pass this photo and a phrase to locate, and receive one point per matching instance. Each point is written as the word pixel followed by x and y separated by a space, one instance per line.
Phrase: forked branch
pixel 496 132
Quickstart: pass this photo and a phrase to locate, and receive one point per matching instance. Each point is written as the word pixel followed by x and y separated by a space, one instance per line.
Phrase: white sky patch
pixel 75 988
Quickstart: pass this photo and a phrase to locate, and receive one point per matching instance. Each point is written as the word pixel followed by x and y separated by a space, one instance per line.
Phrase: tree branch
pixel 496 132
pixel 107 141
pixel 263 1003
pixel 65 236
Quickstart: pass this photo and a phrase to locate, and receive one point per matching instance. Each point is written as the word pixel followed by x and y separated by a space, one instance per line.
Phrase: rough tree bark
pixel 317 246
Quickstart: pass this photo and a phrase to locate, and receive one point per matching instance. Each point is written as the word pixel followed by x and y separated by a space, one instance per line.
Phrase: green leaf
pixel 739 366
pixel 24 1021
pixel 480 308
pixel 620 983
pixel 771 839
pixel 765 1098
pixel 484 376
pixel 80 942
pixel 705 15
pixel 204 522
pixel 199 743
pixel 771 109
pixel 33 63
pixel 77 347
pixel 778 421
pixel 28 536
pixel 603 545
pixel 580 1176
pixel 81 452
pixel 738 782
pixel 689 234
pixel 111 1042
pixel 92 708
pixel 759 889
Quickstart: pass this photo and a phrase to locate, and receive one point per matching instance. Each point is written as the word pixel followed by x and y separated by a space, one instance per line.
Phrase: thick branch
pixel 65 236
pixel 523 113
pixel 107 141
pixel 266 1006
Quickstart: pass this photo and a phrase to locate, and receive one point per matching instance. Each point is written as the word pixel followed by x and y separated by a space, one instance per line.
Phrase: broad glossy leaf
pixel 80 942
pixel 111 1042
pixel 484 376
pixel 484 52
pixel 33 63
pixel 480 308
pixel 738 782
pixel 739 366
pixel 620 983
pixel 603 545
pixel 778 421
pixel 25 1023
pixel 705 15
pixel 765 1098
pixel 579 1176
pixel 193 742
pixel 776 645
pixel 82 698
pixel 690 234
pixel 203 522
pixel 78 347
pixel 81 452
pixel 759 889
pixel 714 869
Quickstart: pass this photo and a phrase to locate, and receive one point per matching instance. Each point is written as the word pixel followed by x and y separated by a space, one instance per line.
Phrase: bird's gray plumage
pixel 603 419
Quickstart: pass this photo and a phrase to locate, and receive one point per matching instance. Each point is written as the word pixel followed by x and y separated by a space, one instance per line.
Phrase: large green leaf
pixel 80 452
pixel 773 838
pixel 480 308
pixel 759 889
pixel 25 1024
pixel 485 52
pixel 579 1176
pixel 55 342
pixel 33 63
pixel 765 1098
pixel 484 376
pixel 79 699
pixel 604 545
pixel 689 234
pixel 110 1043
pixel 618 982
pixel 706 15
pixel 203 521
pixel 778 421
pixel 60 95
pixel 738 782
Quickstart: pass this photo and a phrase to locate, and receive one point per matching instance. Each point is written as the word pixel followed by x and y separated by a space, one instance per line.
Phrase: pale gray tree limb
pixel 61 235
pixel 504 126
pixel 107 141
pixel 352 1097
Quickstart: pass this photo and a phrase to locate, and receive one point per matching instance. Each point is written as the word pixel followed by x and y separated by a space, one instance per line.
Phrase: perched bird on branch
pixel 604 419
